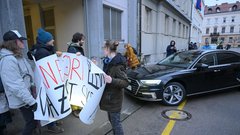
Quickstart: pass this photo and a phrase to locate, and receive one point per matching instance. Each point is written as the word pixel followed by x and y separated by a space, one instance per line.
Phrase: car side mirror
pixel 201 66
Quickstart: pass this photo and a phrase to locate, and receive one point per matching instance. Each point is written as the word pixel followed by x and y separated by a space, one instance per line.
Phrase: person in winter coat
pixel 43 48
pixel 76 47
pixel 16 76
pixel 132 59
pixel 171 49
pixel 116 79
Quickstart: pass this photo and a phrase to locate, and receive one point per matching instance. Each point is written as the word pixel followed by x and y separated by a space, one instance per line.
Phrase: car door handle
pixel 216 70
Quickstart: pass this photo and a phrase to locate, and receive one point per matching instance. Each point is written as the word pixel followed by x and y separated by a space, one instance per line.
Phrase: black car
pixel 184 74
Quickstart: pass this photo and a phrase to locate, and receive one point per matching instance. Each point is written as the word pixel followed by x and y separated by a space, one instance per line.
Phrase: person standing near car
pixel 116 79
pixel 206 46
pixel 171 49
pixel 16 74
pixel 43 48
pixel 132 59
pixel 76 47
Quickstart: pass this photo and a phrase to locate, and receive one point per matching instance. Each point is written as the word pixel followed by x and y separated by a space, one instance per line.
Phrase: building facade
pixel 197 22
pixel 222 24
pixel 162 21
pixel 148 25
pixel 99 20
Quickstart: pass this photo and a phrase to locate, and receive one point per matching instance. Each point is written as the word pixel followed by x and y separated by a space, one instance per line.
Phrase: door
pixel 206 79
pixel 29 31
pixel 229 64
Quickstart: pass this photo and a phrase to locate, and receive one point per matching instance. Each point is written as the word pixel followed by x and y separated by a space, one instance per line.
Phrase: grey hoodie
pixel 16 88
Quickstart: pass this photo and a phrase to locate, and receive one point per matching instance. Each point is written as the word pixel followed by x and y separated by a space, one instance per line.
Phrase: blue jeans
pixel 114 118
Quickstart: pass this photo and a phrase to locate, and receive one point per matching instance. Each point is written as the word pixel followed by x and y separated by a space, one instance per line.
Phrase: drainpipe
pixel 139 26
pixel 189 40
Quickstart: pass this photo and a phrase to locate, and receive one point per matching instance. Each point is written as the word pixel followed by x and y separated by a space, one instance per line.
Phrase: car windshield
pixel 181 59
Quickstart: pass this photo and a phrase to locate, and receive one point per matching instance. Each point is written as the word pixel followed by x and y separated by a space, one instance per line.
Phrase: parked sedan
pixel 184 74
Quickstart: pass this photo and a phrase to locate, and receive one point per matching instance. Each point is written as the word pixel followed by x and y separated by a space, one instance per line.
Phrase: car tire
pixel 173 94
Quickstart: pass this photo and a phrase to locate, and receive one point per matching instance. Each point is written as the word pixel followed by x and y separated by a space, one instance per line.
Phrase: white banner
pixel 66 80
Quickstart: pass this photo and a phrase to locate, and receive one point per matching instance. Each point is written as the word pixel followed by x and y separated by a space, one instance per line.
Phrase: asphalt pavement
pixel 212 114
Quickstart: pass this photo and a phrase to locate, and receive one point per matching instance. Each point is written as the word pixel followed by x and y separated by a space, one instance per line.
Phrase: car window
pixel 227 58
pixel 208 60
pixel 181 59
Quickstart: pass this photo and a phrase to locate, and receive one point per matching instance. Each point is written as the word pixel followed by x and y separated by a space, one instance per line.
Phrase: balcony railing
pixel 214 34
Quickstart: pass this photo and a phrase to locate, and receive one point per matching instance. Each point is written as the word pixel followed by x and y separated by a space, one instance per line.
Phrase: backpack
pixel 135 51
pixel 1 85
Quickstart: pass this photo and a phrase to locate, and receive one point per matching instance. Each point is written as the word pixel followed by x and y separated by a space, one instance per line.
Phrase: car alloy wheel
pixel 173 94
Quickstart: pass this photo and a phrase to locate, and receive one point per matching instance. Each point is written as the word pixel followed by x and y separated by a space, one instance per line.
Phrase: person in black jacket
pixel 171 49
pixel 43 48
pixel 116 79
pixel 76 45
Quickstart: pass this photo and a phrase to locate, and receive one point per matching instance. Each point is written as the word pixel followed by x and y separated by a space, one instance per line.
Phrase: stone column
pixel 93 12
pixel 12 18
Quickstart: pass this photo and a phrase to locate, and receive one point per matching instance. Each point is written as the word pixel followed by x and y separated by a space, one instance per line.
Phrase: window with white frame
pixel 179 29
pixel 183 32
pixel 207 30
pixel 223 29
pixel 174 27
pixel 230 40
pixel 231 29
pixel 112 23
pixel 215 30
pixel 148 19
pixel 166 24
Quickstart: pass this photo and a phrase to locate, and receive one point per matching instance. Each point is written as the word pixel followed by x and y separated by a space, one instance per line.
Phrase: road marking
pixel 171 123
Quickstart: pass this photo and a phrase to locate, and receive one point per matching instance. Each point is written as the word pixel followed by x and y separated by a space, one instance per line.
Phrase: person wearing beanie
pixel 43 48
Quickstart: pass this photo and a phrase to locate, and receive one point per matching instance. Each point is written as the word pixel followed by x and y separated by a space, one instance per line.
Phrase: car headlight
pixel 151 82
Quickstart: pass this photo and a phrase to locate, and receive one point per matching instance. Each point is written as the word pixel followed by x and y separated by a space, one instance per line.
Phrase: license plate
pixel 129 87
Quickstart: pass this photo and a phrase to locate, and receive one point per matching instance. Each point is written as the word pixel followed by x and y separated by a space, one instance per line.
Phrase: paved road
pixel 212 114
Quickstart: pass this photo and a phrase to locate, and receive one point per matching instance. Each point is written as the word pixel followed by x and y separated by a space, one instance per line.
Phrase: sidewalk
pixel 73 126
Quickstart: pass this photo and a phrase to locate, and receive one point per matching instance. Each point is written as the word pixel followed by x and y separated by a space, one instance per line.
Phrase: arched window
pixel 209 9
pixel 218 9
pixel 234 8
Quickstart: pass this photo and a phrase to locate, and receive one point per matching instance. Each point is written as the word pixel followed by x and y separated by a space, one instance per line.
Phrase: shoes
pixel 59 123
pixel 55 129
pixel 76 113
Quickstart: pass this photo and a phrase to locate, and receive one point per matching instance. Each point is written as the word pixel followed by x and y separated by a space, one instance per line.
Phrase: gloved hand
pixel 34 107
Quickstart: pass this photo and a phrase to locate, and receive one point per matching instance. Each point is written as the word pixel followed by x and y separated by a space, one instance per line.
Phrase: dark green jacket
pixel 113 94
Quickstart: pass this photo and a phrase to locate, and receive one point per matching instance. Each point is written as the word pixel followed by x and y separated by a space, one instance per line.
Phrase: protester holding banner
pixel 76 47
pixel 116 79
pixel 16 76
pixel 43 48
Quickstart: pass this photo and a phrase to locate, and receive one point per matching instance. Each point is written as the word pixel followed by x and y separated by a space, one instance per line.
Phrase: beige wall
pixel 69 18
